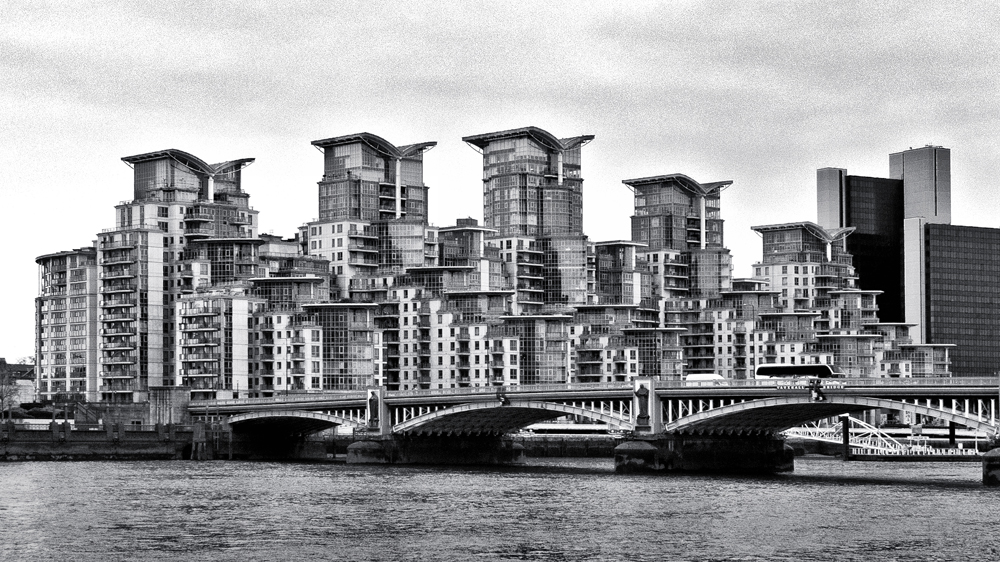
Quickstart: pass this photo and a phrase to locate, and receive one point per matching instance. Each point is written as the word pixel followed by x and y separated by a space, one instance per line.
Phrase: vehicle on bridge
pixel 815 376
pixel 704 379
pixel 815 370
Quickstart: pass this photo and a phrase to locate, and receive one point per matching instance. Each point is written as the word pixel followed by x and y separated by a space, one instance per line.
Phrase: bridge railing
pixel 283 399
pixel 836 383
pixel 515 389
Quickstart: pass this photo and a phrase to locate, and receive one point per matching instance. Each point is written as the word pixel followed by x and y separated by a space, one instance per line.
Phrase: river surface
pixel 553 509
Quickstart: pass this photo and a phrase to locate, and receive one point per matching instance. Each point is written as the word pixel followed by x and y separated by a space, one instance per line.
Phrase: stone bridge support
pixel 700 453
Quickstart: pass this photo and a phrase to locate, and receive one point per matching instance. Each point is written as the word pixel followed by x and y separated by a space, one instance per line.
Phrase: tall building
pixel 874 208
pixel 532 182
pixel 68 325
pixel 368 183
pixel 188 227
pixel 821 316
pixel 926 176
pixel 533 201
pixel 919 186
pixel 679 223
pixel 938 279
pixel 952 288
pixel 365 177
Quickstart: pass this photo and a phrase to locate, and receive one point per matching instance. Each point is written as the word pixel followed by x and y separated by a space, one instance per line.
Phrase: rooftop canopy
pixel 685 182
pixel 190 161
pixel 377 143
pixel 816 230
pixel 541 136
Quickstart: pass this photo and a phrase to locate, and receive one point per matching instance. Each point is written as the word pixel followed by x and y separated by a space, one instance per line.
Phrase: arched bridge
pixel 642 406
pixel 776 414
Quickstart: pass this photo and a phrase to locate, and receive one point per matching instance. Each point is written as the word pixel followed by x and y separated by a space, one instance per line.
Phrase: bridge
pixel 667 415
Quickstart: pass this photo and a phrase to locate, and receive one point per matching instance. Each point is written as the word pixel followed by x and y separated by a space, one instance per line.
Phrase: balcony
pixel 117 245
pixel 117 259
pixel 117 345
pixel 118 273
pixel 126 359
pixel 199 232
pixel 200 357
pixel 199 372
pixel 120 302
pixel 297 356
pixel 119 374
pixel 123 386
pixel 117 316
pixel 298 340
pixel 200 326
pixel 198 216
pixel 118 288
pixel 356 233
pixel 194 342
pixel 200 311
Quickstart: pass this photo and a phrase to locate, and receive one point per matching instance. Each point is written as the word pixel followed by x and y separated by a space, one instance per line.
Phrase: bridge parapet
pixel 868 382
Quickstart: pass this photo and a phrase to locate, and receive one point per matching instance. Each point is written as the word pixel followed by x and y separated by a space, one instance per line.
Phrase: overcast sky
pixel 762 94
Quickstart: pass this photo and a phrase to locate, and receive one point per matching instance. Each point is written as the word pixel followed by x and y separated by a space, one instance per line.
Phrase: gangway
pixel 866 439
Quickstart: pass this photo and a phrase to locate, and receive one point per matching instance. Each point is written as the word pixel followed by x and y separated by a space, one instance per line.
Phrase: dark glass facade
pixel 962 280
pixel 874 207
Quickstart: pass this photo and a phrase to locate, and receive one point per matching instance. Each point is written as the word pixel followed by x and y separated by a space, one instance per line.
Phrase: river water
pixel 553 509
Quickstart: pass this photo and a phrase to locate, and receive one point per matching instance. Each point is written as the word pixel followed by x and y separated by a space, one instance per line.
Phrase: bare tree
pixel 8 389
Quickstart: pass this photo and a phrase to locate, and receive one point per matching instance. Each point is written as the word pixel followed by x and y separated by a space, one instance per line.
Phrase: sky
pixel 760 93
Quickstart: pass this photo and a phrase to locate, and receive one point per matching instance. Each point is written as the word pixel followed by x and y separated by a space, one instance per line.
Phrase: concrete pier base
pixel 436 450
pixel 991 468
pixel 684 453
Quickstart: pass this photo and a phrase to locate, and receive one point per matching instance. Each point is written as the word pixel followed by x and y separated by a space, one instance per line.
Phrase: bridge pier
pixel 720 454
pixel 436 450
pixel 991 468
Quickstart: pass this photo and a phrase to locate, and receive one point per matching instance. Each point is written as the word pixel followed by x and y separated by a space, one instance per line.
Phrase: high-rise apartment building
pixel 365 177
pixel 821 316
pixel 532 182
pixel 67 325
pixel 533 200
pixel 679 223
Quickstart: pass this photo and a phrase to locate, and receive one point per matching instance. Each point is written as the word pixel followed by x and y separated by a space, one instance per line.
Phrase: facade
pixel 820 316
pixel 532 182
pixel 952 275
pixel 926 176
pixel 874 208
pixel 938 279
pixel 67 324
pixel 679 223
pixel 183 291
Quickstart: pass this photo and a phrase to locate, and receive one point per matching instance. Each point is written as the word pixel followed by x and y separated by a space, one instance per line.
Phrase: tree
pixel 8 388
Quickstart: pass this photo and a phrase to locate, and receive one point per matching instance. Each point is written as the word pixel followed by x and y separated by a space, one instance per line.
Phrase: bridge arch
pixel 772 415
pixel 496 418
pixel 289 421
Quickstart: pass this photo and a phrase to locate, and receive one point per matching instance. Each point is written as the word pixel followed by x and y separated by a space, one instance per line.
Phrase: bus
pixel 809 371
